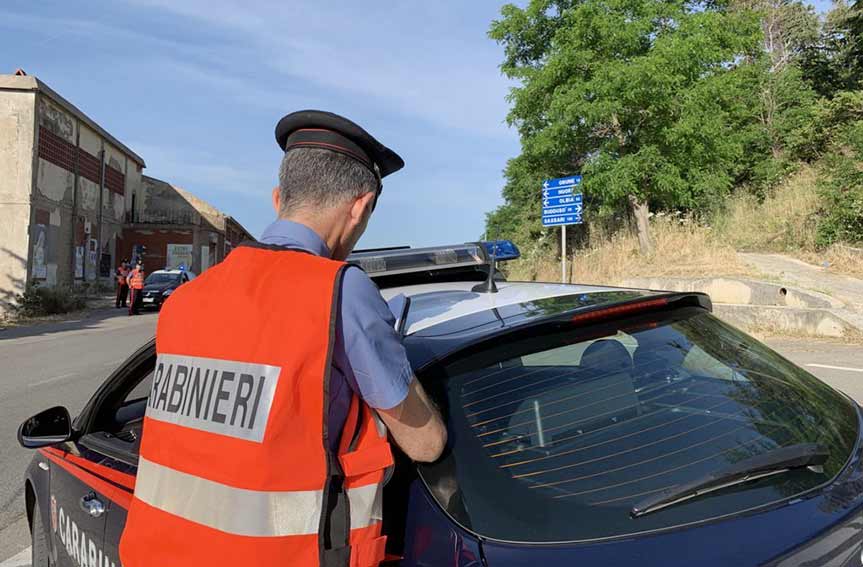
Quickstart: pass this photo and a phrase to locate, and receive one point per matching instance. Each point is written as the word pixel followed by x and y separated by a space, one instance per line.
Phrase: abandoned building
pixel 171 227
pixel 74 200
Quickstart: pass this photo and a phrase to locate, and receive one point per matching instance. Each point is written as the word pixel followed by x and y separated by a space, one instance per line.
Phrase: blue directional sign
pixel 561 202
pixel 561 220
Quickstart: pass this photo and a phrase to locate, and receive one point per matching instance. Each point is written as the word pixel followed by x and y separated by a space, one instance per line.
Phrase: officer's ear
pixel 362 207
pixel 277 199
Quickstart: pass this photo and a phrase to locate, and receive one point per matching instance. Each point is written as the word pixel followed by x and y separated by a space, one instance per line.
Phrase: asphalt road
pixel 63 363
pixel 53 364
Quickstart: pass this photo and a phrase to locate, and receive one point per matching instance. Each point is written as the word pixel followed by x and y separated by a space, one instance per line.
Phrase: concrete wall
pixel 53 196
pixel 86 219
pixel 114 205
pixel 17 111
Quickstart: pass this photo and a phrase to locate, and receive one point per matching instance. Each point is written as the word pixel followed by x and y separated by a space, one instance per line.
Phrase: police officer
pixel 121 274
pixel 278 376
pixel 135 280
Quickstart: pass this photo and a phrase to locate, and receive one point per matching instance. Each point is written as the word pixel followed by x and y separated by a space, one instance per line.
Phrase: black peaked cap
pixel 325 130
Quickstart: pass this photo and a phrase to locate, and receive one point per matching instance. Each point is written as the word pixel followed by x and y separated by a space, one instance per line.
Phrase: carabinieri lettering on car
pixel 77 543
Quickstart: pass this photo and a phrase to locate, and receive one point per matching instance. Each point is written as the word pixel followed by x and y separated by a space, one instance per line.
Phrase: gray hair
pixel 312 177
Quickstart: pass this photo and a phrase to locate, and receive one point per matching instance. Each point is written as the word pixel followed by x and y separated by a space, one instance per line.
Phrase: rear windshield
pixel 555 437
pixel 162 278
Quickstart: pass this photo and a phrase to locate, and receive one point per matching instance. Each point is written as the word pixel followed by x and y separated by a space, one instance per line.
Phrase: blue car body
pixel 820 525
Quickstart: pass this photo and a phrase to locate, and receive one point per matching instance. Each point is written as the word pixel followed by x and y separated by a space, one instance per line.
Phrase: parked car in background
pixel 160 284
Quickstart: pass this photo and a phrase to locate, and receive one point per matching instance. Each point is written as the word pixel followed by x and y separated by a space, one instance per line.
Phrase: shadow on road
pixel 85 320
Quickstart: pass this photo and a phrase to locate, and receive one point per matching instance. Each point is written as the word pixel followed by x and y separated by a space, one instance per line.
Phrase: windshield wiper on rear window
pixel 768 464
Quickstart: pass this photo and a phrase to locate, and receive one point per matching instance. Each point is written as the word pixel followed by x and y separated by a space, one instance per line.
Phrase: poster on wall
pixel 40 266
pixel 79 262
pixel 180 255
pixel 94 247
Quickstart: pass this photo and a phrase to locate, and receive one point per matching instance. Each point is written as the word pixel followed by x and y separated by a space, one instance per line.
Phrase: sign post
pixel 562 205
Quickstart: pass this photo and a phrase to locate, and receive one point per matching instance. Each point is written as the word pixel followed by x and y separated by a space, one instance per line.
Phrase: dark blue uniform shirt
pixel 368 357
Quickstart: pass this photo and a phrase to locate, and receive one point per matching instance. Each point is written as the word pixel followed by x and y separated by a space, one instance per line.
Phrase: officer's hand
pixel 416 425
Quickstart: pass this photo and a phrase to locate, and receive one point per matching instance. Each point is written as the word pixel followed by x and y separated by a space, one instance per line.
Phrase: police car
pixel 587 426
pixel 159 285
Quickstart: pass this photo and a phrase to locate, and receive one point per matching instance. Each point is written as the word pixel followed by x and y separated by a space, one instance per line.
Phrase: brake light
pixel 620 310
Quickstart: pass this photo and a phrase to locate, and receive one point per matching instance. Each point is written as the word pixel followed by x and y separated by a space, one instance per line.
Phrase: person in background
pixel 121 274
pixel 135 280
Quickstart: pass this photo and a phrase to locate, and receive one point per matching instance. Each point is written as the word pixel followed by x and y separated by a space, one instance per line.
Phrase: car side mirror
pixel 46 428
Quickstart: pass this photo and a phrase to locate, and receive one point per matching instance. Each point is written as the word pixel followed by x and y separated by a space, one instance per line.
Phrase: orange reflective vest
pixel 136 279
pixel 235 464
pixel 122 274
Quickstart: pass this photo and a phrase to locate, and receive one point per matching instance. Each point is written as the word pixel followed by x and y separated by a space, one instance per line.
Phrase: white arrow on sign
pixel 545 202
pixel 545 193
pixel 545 184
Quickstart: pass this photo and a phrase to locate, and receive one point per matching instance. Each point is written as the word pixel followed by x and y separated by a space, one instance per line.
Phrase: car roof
pixel 433 304
pixel 174 271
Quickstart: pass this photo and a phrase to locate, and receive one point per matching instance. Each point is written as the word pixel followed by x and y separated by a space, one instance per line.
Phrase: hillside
pixel 784 221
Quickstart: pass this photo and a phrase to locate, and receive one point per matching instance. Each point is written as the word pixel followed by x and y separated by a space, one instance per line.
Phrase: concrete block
pixel 741 291
pixel 786 320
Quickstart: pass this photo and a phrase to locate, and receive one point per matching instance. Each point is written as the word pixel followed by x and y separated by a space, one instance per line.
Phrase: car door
pixel 93 478
pixel 77 509
pixel 111 443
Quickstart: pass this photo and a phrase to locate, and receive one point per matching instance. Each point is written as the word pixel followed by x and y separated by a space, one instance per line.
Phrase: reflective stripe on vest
pixel 245 512
pixel 235 467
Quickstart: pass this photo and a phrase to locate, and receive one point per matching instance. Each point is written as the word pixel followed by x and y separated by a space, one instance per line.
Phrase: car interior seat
pixel 599 390
pixel 655 364
pixel 606 356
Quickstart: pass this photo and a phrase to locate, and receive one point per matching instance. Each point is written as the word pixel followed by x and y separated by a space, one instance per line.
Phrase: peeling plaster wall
pixel 72 215
pixel 43 208
pixel 54 194
pixel 17 111
pixel 88 207
pixel 114 204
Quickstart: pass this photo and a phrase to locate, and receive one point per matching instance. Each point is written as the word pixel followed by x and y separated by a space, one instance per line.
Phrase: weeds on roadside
pixel 37 301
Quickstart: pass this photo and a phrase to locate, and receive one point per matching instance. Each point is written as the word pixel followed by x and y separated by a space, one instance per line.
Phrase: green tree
pixel 641 96
pixel 842 186
pixel 833 62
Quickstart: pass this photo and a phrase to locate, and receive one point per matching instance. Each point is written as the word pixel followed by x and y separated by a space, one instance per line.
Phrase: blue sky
pixel 197 86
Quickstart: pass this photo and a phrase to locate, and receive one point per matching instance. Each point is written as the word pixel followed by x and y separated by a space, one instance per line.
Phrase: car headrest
pixel 651 358
pixel 606 356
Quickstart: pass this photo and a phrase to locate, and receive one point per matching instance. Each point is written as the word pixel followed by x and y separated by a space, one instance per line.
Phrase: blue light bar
pixel 501 249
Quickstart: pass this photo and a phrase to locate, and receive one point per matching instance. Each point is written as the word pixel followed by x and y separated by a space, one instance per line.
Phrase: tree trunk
pixel 640 211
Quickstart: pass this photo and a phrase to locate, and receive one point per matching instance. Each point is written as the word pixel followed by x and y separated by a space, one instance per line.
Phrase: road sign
pixel 564 200
pixel 561 201
pixel 562 205
pixel 561 220
pixel 562 210
pixel 570 181
pixel 557 211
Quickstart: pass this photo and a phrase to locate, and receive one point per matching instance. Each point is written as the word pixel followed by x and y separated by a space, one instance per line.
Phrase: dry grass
pixel 784 221
pixel 838 258
pixel 682 249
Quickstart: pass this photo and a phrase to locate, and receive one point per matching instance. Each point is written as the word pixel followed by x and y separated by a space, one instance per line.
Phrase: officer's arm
pixel 416 425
